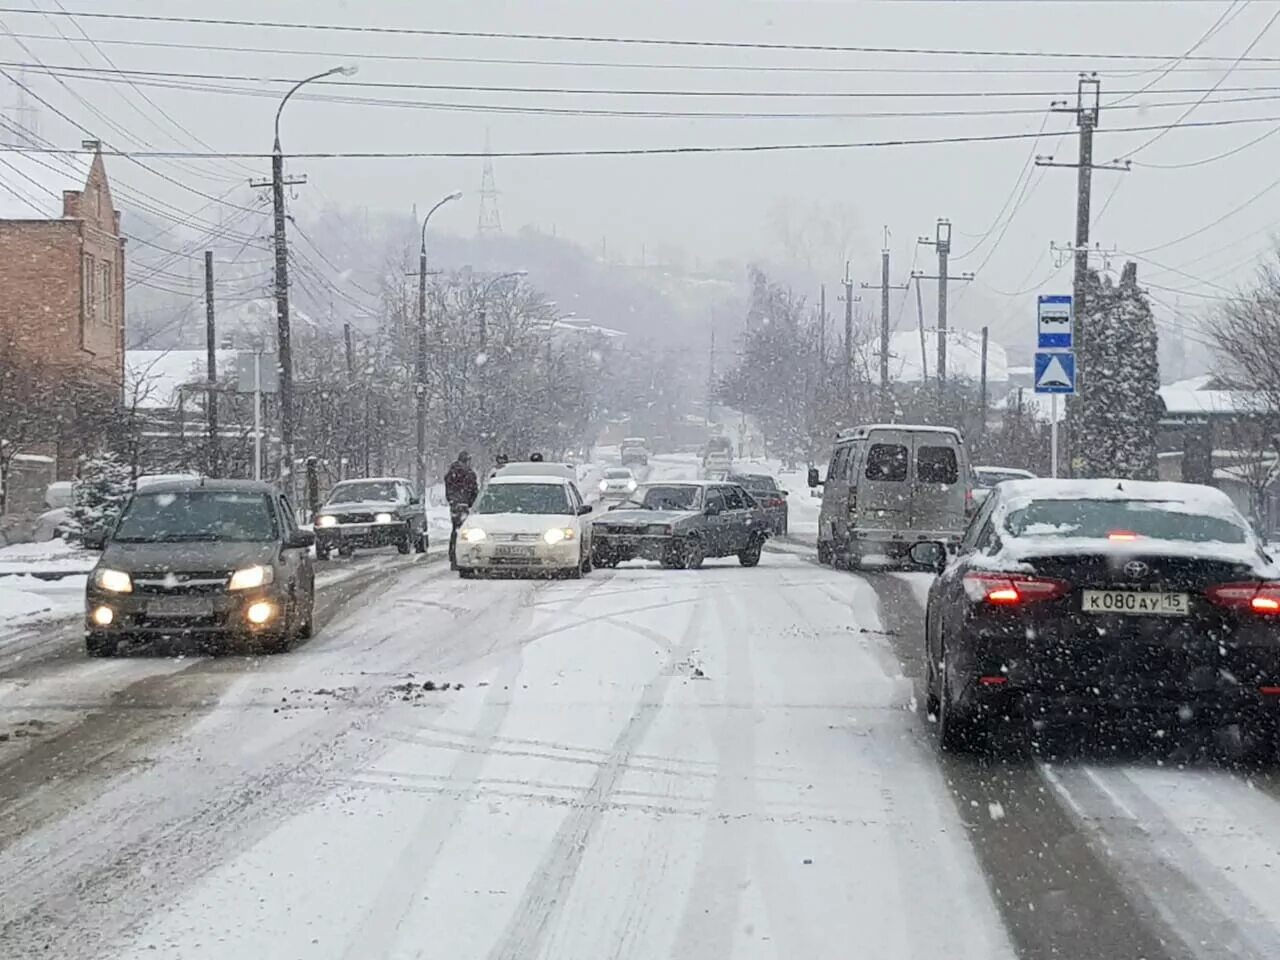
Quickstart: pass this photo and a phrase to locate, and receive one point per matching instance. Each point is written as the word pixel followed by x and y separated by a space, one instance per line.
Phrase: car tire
pixel 421 543
pixel 100 645
pixel 467 573
pixel 405 546
pixel 344 551
pixel 750 557
pixel 587 564
pixel 824 554
pixel 692 554
pixel 307 629
pixel 931 697
pixel 957 732
pixel 322 553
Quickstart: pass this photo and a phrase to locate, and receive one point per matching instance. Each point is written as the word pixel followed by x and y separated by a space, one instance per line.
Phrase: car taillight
pixel 1012 589
pixel 1259 597
pixel 1123 536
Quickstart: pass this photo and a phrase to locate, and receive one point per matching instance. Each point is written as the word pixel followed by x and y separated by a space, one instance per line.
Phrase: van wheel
pixel 824 554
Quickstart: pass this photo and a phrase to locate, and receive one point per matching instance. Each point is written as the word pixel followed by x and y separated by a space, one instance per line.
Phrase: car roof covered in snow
pixel 537 468
pixel 852 433
pixel 343 483
pixel 214 486
pixel 548 478
pixel 1194 495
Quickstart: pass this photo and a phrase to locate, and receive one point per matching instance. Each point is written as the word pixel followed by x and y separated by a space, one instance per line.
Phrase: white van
pixel 890 486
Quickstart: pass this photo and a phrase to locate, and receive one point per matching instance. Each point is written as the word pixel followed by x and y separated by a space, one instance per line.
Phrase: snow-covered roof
pixel 153 377
pixel 1192 495
pixel 31 185
pixel 1182 401
pixel 1037 405
pixel 573 325
pixel 964 356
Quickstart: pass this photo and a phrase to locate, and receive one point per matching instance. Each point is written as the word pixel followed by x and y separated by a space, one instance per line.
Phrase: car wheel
pixel 344 551
pixel 99 645
pixel 956 731
pixel 750 557
pixel 930 675
pixel 406 545
pixel 420 545
pixel 306 630
pixel 322 553
pixel 824 553
pixel 693 554
pixel 587 565
pixel 467 573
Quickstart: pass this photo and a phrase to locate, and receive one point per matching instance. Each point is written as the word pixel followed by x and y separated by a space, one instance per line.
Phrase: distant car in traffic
pixel 371 512
pixel 617 483
pixel 530 524
pixel 770 495
pixel 890 486
pixel 986 478
pixel 634 450
pixel 1135 601
pixel 680 524
pixel 221 561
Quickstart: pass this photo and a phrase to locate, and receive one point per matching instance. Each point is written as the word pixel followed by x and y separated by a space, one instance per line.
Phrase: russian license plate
pixel 513 552
pixel 180 607
pixel 1135 602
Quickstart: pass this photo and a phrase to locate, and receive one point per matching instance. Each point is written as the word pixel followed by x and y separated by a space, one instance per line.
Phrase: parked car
pixel 634 450
pixel 530 524
pixel 681 524
pixel 373 512
pixel 890 486
pixel 766 492
pixel 218 560
pixel 1084 598
pixel 617 483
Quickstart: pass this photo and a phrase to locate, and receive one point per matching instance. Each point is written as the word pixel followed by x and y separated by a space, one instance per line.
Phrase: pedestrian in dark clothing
pixel 460 490
pixel 499 462
pixel 535 457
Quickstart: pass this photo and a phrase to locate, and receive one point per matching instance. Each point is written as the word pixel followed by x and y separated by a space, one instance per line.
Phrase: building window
pixel 104 291
pixel 88 302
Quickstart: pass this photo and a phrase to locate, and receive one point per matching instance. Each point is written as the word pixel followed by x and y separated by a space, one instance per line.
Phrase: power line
pixel 1204 160
pixel 610 40
pixel 1232 11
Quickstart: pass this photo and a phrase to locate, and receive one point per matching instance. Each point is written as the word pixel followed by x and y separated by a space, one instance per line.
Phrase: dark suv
pixel 218 560
pixel 374 512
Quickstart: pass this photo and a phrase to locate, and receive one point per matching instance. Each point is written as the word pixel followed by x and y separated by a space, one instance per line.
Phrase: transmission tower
pixel 490 220
pixel 24 129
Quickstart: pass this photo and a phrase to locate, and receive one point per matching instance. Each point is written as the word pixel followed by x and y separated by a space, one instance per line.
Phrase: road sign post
pixel 1054 321
pixel 1055 372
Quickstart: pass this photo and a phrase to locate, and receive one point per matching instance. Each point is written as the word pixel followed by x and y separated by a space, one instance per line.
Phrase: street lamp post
pixel 482 355
pixel 421 386
pixel 284 349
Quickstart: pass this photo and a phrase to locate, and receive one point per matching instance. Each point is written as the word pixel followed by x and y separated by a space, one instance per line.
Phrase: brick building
pixel 62 266
pixel 62 263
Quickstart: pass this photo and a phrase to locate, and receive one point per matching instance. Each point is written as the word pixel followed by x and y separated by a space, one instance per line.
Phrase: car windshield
pixel 1121 520
pixel 375 491
pixel 667 497
pixel 196 515
pixel 756 483
pixel 617 474
pixel 536 498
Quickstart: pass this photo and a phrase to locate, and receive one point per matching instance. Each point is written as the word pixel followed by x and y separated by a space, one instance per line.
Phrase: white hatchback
pixel 617 483
pixel 530 524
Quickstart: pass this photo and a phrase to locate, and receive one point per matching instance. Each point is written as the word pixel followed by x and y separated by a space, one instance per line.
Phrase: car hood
pixel 361 506
pixel 642 518
pixel 198 556
pixel 519 522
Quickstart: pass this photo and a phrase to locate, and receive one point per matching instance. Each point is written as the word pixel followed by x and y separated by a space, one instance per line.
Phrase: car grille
pixel 518 538
pixel 623 528
pixel 355 517
pixel 181 583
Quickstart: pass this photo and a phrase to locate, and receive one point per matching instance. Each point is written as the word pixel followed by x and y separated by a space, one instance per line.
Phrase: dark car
pixel 679 524
pixel 217 560
pixel 769 495
pixel 375 512
pixel 1103 599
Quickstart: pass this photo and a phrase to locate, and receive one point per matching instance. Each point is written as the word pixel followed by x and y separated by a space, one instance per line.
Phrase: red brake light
pixel 1125 535
pixel 1012 589
pixel 1259 597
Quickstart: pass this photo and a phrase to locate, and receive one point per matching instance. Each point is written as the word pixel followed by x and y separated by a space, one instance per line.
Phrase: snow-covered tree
pixel 1119 406
pixel 98 494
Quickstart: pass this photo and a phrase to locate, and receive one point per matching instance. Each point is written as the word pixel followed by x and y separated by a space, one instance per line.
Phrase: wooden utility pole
pixel 211 366
pixel 982 388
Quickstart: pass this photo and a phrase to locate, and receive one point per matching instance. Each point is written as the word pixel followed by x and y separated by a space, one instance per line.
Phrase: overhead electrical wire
pixel 1233 10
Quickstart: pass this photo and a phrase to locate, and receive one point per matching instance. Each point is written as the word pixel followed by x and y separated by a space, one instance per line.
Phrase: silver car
pixel 617 483
pixel 890 486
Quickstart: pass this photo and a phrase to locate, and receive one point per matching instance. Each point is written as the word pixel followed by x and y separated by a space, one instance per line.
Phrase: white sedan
pixel 528 524
pixel 617 483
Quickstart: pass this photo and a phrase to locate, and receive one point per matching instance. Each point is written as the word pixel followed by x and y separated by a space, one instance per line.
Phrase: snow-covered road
pixel 642 764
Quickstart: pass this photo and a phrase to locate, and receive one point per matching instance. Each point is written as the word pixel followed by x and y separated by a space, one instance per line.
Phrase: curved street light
pixel 284 350
pixel 484 302
pixel 421 385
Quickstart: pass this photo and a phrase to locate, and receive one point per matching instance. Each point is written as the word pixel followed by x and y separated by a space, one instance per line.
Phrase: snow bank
pixel 50 556
pixel 26 600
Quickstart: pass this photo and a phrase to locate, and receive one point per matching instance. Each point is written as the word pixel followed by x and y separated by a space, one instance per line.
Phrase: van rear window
pixel 936 465
pixel 887 461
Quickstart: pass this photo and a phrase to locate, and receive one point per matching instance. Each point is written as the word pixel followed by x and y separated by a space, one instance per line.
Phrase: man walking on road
pixel 460 490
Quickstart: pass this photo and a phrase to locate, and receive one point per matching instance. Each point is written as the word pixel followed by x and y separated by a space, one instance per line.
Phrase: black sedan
pixel 372 512
pixel 1096 599
pixel 771 497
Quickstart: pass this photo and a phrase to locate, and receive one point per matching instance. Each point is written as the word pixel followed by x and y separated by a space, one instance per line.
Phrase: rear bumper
pixel 225 615
pixel 904 537
pixel 361 535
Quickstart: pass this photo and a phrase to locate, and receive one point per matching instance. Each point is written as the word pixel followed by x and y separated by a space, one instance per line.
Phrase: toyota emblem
pixel 1136 569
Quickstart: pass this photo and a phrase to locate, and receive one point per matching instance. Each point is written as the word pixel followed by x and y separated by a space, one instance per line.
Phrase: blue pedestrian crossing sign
pixel 1055 372
pixel 1053 322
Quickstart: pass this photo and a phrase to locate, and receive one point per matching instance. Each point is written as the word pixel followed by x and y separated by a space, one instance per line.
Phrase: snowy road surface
pixel 644 764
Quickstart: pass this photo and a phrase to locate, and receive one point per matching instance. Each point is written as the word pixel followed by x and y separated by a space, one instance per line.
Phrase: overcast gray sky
pixel 727 205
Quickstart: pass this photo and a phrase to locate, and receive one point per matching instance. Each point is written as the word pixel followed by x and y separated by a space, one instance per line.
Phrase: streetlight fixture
pixel 421 386
pixel 484 302
pixel 284 349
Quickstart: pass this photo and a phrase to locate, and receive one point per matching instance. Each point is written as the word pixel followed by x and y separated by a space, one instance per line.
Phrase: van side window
pixel 937 465
pixel 839 464
pixel 887 461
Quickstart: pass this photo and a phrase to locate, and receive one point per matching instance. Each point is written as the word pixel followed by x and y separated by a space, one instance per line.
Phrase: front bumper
pixel 619 547
pixel 218 614
pixel 499 555
pixel 361 535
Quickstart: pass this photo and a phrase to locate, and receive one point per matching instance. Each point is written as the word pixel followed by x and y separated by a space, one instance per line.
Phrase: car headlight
pixel 326 520
pixel 658 530
pixel 559 534
pixel 116 581
pixel 473 535
pixel 258 575
pixel 382 518
pixel 631 486
pixel 604 485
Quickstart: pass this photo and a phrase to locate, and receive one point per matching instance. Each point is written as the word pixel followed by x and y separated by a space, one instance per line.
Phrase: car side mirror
pixel 785 493
pixel 714 509
pixel 929 553
pixel 95 540
pixel 814 479
pixel 584 509
pixel 299 539
pixel 415 501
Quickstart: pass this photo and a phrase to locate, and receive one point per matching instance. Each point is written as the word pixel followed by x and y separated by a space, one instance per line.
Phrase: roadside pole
pixel 1053 435
pixel 257 415
pixel 1055 360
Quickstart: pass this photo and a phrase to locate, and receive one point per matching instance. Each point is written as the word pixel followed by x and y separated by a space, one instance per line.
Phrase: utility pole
pixel 1087 110
pixel 942 243
pixel 982 389
pixel 351 353
pixel 420 377
pixel 822 326
pixel 886 396
pixel 711 379
pixel 846 379
pixel 924 352
pixel 211 365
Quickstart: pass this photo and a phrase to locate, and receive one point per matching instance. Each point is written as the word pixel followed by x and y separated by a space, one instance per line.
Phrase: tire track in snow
pixel 549 884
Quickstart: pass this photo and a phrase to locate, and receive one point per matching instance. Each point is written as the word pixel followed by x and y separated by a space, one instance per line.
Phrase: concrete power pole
pixel 942 243
pixel 211 365
pixel 982 394
pixel 886 396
